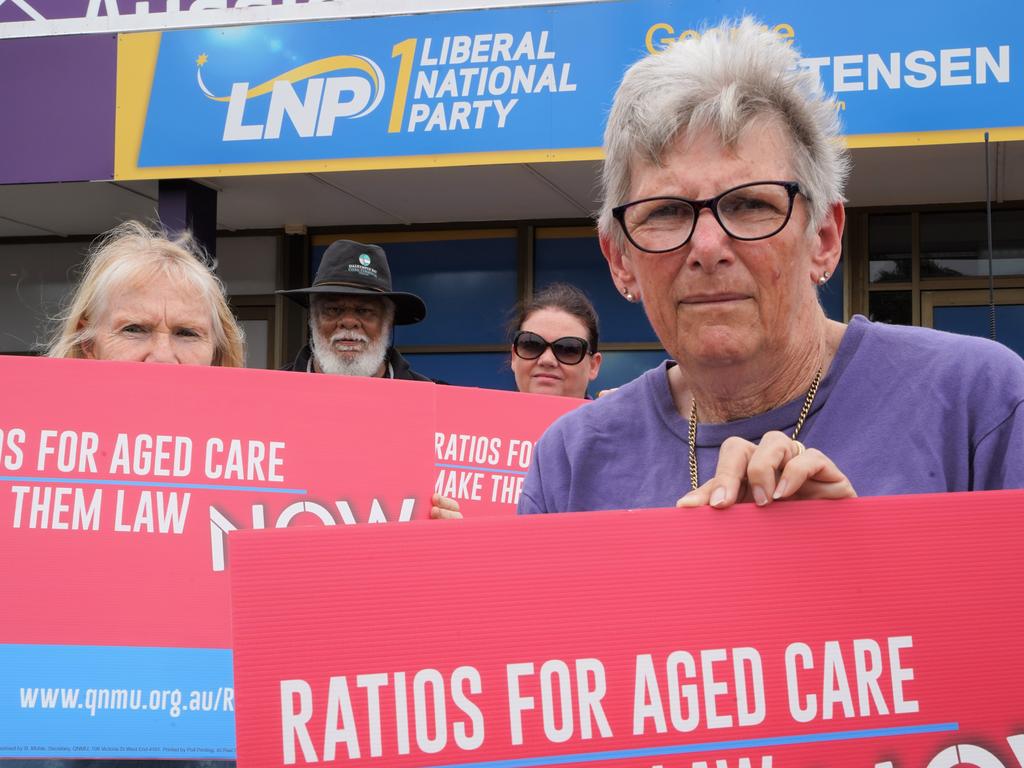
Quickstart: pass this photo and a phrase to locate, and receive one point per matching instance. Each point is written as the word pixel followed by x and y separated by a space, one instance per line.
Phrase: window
pixel 628 345
pixel 904 259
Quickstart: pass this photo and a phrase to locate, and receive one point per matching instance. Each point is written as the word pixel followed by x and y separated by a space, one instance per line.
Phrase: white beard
pixel 365 363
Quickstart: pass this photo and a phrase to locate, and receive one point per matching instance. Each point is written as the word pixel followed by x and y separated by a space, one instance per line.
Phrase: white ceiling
pixel 892 176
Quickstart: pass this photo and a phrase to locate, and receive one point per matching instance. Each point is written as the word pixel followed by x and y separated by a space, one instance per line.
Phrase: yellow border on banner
pixel 136 65
pixel 133 97
pixel 932 138
pixel 126 173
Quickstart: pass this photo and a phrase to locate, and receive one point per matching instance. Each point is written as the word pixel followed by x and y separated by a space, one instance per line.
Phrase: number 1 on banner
pixel 407 51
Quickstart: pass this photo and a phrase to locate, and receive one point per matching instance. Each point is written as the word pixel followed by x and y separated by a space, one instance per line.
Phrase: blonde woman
pixel 145 297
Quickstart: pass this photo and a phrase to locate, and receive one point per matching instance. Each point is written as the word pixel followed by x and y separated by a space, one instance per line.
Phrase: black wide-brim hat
pixel 356 269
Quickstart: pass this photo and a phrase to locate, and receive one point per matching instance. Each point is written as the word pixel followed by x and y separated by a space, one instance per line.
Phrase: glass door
pixel 967 312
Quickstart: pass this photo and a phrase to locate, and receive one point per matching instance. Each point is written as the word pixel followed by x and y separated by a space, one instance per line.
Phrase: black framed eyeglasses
pixel 569 350
pixel 752 211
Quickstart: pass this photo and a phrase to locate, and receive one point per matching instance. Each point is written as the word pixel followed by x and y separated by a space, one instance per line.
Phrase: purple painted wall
pixel 76 9
pixel 57 108
pixel 48 9
pixel 33 10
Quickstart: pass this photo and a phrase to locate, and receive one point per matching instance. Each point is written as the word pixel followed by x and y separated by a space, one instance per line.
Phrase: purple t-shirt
pixel 901 410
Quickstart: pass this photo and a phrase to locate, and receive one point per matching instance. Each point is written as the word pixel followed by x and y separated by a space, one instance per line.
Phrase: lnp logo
pixel 312 114
pixel 364 259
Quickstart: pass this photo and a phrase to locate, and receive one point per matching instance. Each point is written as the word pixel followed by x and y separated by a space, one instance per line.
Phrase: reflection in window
pixel 894 307
pixel 574 256
pixel 35 281
pixel 974 321
pixel 831 295
pixel 955 244
pixel 621 367
pixel 889 248
pixel 490 370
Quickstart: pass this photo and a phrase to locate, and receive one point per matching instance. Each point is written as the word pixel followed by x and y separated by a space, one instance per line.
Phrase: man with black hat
pixel 352 310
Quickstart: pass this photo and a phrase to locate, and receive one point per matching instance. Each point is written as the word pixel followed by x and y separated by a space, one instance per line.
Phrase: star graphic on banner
pixel 203 58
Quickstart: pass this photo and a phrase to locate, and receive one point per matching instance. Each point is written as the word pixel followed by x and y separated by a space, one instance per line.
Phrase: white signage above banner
pixel 45 18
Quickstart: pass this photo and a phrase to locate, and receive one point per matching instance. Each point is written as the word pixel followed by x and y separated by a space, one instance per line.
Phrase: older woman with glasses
pixel 554 342
pixel 723 213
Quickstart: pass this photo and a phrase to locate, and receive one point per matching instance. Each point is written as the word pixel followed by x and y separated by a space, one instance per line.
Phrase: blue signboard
pixel 535 83
pixel 153 702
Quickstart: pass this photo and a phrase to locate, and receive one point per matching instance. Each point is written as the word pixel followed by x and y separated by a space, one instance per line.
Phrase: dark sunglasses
pixel 569 350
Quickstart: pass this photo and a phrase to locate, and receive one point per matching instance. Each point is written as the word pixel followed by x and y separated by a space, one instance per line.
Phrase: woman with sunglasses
pixel 554 343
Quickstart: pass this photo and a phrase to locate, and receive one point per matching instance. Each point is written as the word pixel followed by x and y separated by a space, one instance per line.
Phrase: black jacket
pixel 398 364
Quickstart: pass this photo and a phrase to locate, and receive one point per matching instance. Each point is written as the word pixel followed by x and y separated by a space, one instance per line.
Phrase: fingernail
pixel 760 497
pixel 781 489
pixel 718 496
pixel 689 500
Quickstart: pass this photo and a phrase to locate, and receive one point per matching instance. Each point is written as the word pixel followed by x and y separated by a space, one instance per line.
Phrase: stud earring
pixel 629 296
pixel 824 277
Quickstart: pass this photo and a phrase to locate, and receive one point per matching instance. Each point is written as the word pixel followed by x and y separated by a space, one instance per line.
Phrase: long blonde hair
pixel 131 253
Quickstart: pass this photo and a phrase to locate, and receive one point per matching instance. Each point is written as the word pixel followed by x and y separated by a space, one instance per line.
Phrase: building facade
pixel 464 137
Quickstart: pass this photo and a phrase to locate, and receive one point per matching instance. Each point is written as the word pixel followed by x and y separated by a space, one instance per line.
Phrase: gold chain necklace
pixel 694 482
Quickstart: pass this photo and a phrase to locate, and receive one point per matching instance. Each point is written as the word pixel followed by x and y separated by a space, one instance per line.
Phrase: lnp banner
pixel 866 633
pixel 529 84
pixel 119 486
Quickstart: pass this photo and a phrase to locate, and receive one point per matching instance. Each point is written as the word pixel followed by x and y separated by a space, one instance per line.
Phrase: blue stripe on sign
pixel 116 701
pixel 71 480
pixel 708 746
pixel 474 468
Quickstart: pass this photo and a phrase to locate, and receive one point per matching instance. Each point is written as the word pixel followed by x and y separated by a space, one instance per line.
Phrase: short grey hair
pixel 722 82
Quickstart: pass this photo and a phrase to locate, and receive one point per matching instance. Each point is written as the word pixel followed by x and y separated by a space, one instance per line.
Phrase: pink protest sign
pixel 119 484
pixel 877 632
pixel 118 480
pixel 484 444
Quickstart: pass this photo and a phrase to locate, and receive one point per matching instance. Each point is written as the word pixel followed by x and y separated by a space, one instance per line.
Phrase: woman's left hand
pixel 444 508
pixel 777 468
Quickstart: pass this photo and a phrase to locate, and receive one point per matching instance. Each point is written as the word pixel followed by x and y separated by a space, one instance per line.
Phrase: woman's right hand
pixel 776 468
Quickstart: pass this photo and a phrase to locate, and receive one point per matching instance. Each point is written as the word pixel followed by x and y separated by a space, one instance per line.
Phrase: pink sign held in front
pixel 484 444
pixel 119 485
pixel 120 468
pixel 866 633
